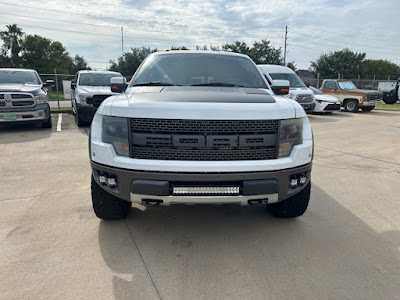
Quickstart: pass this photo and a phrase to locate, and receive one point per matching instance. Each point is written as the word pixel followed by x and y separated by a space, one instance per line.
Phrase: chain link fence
pixel 59 94
pixel 368 84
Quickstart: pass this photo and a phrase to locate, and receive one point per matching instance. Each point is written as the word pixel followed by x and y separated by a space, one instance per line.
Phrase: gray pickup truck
pixel 23 97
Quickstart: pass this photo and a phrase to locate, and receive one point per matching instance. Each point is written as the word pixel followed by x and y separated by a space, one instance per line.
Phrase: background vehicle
pixel 298 90
pixel 88 90
pixel 199 127
pixel 390 91
pixel 23 97
pixel 324 103
pixel 349 96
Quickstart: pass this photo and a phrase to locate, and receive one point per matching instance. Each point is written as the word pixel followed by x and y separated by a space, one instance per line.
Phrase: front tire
pixel 293 207
pixel 351 106
pixel 78 119
pixel 367 108
pixel 107 206
pixel 48 123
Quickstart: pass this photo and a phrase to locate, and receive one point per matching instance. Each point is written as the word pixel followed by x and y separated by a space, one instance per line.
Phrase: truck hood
pixel 213 103
pixel 95 90
pixel 18 87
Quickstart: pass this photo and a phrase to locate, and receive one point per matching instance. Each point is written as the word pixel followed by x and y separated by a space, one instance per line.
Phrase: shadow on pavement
pixel 24 132
pixel 233 252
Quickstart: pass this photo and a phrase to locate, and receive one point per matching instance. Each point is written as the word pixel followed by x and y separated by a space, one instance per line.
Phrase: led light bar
pixel 206 190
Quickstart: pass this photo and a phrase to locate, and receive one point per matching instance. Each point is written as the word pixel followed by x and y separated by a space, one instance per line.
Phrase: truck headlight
pixel 291 96
pixel 41 99
pixel 115 132
pixel 83 99
pixel 290 135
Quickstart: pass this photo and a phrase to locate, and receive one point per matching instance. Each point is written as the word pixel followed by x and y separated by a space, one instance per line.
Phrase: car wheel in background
pixel 351 106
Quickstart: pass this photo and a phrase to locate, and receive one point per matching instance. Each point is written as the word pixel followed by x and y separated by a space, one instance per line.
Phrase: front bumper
pixel 308 107
pixel 332 106
pixel 40 112
pixel 372 103
pixel 86 112
pixel 142 186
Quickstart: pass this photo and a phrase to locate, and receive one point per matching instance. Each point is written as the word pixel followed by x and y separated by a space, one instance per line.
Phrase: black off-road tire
pixel 367 108
pixel 293 207
pixel 48 123
pixel 78 120
pixel 351 106
pixel 107 206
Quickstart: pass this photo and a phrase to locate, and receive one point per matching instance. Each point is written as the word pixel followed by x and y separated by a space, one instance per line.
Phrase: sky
pixel 92 28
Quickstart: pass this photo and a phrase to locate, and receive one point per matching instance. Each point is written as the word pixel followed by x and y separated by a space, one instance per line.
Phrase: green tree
pixel 45 55
pixel 237 47
pixel 380 68
pixel 263 53
pixel 345 62
pixel 128 63
pixel 292 65
pixel 11 48
pixel 78 63
pixel 179 48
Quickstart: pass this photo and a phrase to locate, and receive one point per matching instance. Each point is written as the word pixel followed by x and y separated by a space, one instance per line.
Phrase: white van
pixel 298 90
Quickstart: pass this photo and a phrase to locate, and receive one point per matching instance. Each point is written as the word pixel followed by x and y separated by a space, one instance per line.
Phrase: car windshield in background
pixel 96 79
pixel 294 80
pixel 20 77
pixel 199 70
pixel 315 91
pixel 347 85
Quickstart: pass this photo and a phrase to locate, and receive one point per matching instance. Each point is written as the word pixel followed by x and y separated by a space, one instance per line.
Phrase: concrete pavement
pixel 346 246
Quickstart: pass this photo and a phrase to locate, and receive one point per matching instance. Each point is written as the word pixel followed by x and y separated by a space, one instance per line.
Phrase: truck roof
pixel 98 72
pixel 276 69
pixel 171 52
pixel 17 69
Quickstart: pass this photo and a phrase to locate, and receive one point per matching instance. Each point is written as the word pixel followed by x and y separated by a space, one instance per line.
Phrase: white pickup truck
pixel 88 90
pixel 198 127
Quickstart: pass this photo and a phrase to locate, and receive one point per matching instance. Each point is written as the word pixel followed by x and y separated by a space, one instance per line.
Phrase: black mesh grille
pixel 203 140
pixel 204 126
pixel 21 96
pixel 2 104
pixel 97 99
pixel 22 103
pixel 203 154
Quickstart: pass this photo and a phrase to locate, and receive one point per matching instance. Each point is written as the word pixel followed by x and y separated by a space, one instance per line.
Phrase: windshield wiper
pixel 155 83
pixel 217 84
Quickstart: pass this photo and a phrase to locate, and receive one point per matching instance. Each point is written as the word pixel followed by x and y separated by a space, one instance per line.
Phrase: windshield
pixel 294 80
pixel 199 69
pixel 96 79
pixel 347 85
pixel 21 77
pixel 315 91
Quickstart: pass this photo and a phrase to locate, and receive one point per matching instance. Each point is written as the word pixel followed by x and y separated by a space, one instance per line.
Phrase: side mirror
pixel 73 85
pixel 49 83
pixel 118 84
pixel 280 87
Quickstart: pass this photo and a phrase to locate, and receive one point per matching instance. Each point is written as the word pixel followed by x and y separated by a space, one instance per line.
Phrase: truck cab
pixel 350 97
pixel 298 91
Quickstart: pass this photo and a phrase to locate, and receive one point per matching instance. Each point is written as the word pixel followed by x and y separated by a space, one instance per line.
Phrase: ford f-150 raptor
pixel 196 127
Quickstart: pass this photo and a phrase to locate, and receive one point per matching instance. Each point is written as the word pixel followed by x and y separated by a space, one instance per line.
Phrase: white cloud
pixel 314 26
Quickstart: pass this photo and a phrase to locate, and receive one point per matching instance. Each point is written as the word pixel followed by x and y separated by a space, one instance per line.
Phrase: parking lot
pixel 347 245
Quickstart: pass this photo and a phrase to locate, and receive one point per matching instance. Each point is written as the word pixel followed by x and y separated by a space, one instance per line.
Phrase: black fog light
pixel 294 182
pixel 108 179
pixel 303 179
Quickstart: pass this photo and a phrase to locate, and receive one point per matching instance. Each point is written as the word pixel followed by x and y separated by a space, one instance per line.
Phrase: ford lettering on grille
pixel 201 140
